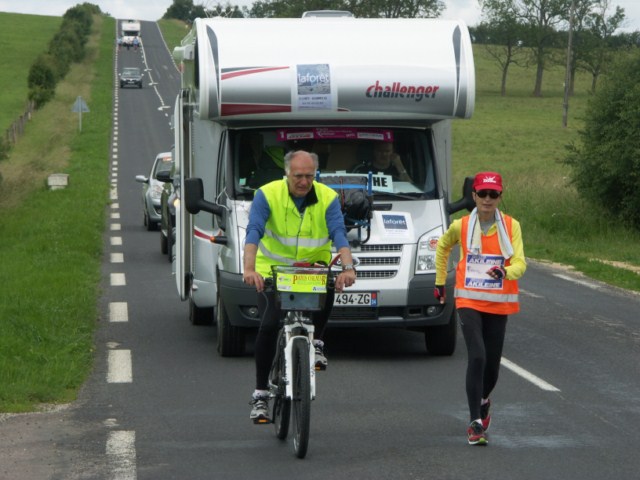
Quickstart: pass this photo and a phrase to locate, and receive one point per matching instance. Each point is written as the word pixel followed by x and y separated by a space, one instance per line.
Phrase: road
pixel 161 404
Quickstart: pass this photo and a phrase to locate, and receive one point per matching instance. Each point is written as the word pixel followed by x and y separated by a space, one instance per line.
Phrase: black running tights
pixel 484 335
pixel 265 345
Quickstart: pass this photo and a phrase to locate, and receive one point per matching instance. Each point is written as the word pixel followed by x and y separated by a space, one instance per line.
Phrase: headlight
pixel 426 254
pixel 156 192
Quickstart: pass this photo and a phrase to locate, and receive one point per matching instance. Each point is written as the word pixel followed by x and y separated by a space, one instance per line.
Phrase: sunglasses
pixel 492 193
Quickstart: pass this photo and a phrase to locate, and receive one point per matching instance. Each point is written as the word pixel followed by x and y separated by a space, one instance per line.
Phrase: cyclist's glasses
pixel 300 176
pixel 492 193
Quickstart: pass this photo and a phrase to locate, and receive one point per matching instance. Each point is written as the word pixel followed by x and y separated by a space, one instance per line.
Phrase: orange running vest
pixel 499 297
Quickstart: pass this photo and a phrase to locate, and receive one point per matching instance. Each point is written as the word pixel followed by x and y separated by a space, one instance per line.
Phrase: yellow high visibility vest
pixel 290 236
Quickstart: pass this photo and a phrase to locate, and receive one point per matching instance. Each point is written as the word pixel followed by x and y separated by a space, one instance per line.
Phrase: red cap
pixel 487 181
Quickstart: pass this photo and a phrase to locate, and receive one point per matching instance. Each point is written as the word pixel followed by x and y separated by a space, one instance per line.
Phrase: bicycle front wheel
pixel 301 402
pixel 281 404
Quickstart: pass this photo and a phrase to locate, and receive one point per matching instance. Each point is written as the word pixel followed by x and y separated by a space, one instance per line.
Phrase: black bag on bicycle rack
pixel 355 201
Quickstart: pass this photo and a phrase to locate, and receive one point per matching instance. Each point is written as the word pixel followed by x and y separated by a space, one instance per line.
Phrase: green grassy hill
pixel 23 38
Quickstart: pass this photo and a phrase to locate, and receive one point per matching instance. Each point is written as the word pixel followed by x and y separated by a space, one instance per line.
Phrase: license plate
pixel 356 299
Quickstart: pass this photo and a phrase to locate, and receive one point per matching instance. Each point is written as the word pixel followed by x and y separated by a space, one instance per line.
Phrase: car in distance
pixel 131 76
pixel 152 189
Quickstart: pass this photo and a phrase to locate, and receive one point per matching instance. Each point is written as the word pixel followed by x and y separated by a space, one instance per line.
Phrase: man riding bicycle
pixel 291 220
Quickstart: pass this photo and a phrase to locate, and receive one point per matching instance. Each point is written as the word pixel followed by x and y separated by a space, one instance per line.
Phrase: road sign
pixel 81 107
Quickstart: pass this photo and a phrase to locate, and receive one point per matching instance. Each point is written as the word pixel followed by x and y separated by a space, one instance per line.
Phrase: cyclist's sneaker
pixel 476 434
pixel 485 415
pixel 321 360
pixel 260 409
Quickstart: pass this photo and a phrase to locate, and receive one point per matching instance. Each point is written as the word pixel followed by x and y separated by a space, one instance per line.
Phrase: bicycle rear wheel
pixel 301 403
pixel 281 404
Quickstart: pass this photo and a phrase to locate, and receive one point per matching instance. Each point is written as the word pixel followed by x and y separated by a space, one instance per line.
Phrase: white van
pixel 338 86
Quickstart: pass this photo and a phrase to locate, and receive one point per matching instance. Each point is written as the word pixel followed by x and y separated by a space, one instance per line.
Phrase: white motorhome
pixel 255 88
pixel 129 30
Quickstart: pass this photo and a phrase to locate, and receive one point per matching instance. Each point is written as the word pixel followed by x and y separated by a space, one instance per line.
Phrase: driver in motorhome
pixel 291 220
pixel 384 160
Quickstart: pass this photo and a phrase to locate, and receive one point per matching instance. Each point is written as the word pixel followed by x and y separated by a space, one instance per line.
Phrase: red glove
pixel 439 292
pixel 498 271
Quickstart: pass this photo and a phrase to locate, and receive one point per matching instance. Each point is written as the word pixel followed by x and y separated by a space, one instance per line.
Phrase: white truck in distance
pixel 253 89
pixel 130 30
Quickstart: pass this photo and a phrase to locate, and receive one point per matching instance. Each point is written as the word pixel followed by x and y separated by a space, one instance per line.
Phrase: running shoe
pixel 260 410
pixel 476 434
pixel 485 415
pixel 321 360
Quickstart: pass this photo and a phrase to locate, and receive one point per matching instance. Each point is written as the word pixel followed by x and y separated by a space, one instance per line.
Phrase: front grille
pixel 376 273
pixel 378 248
pixel 372 261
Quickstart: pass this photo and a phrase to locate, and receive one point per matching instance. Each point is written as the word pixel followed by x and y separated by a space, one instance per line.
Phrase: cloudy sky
pixel 467 10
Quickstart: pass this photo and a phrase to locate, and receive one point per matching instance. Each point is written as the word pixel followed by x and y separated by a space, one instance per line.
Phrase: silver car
pixel 152 190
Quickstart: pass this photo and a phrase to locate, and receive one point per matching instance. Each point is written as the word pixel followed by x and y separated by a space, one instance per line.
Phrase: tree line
pixel 66 47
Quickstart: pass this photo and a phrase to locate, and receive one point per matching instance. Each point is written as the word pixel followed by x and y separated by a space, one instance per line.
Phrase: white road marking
pixel 116 241
pixel 115 205
pixel 115 216
pixel 530 294
pixel 118 280
pixel 538 382
pixel 118 312
pixel 584 283
pixel 121 454
pixel 114 194
pixel 117 258
pixel 119 366
pixel 115 227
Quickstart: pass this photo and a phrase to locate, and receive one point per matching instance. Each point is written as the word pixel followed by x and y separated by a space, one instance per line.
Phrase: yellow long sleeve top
pixel 518 264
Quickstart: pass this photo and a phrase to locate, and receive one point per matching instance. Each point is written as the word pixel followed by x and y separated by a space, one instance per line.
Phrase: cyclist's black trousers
pixel 265 346
pixel 484 335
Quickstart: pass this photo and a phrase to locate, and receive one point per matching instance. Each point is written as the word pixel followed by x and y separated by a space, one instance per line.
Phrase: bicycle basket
pixel 300 288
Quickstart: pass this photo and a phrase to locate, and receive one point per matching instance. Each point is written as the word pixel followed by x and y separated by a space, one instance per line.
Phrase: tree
pixel 606 164
pixel 360 8
pixel 597 51
pixel 502 36
pixel 540 17
pixel 184 10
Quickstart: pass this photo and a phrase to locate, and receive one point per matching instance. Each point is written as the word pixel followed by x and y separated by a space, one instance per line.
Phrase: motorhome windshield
pixel 399 160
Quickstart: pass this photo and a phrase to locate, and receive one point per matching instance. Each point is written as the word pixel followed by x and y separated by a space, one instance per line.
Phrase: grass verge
pixel 18 56
pixel 50 259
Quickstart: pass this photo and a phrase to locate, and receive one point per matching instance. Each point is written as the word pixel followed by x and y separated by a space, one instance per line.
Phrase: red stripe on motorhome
pixel 247 109
pixel 250 71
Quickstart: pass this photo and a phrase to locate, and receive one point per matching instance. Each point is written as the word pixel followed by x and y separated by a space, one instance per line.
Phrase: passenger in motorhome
pixel 491 261
pixel 384 160
pixel 269 162
pixel 291 220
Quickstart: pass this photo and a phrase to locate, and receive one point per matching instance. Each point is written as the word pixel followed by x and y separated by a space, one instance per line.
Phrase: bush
pixel 606 166
pixel 42 80
pixel 65 48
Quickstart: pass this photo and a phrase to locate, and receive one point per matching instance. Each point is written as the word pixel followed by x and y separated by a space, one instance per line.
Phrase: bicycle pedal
pixel 320 367
pixel 261 421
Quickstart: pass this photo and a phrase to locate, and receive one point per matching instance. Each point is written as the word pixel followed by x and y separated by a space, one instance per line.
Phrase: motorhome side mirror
pixel 467 198
pixel 164 176
pixel 194 198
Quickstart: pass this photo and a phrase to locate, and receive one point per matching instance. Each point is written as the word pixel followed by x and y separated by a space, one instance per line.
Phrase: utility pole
pixel 567 77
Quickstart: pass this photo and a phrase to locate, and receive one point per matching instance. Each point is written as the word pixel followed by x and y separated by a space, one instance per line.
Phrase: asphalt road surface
pixel 161 404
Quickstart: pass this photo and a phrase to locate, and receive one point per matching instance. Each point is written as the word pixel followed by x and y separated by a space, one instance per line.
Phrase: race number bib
pixel 476 272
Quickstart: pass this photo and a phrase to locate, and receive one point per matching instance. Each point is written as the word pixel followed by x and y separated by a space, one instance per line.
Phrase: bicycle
pixel 292 381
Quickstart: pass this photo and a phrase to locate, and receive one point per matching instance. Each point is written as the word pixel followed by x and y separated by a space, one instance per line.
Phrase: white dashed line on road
pixel 119 366
pixel 538 382
pixel 121 454
pixel 118 312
